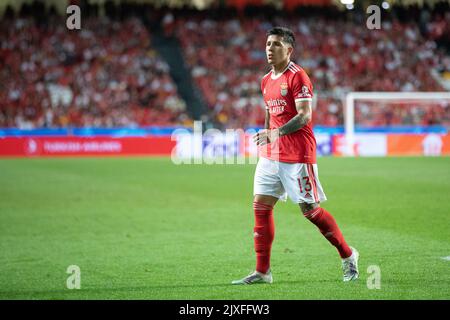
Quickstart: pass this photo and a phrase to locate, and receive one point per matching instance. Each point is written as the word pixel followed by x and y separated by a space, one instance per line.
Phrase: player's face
pixel 277 51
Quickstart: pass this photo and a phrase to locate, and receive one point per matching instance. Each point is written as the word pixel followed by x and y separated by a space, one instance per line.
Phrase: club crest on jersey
pixel 284 89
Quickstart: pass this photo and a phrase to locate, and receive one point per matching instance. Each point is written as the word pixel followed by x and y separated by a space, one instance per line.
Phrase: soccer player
pixel 287 164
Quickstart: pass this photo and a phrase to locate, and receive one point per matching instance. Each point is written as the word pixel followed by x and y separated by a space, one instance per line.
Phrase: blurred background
pixel 143 81
pixel 141 69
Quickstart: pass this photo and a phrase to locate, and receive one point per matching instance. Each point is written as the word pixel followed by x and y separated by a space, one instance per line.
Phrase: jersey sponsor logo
pixel 284 89
pixel 276 109
pixel 276 102
pixel 276 105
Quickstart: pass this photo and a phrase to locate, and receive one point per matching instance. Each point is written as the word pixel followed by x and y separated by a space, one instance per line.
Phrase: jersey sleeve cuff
pixel 303 99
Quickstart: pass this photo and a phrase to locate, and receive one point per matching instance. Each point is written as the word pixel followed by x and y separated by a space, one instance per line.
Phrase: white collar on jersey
pixel 280 74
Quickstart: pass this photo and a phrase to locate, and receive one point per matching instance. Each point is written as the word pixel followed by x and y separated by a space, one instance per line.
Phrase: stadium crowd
pixel 105 75
pixel 226 58
pixel 108 75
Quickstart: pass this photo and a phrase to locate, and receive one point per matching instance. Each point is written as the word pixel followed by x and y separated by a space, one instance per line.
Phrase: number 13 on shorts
pixel 299 181
pixel 309 184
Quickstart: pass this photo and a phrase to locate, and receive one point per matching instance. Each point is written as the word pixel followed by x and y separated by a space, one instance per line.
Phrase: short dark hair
pixel 285 33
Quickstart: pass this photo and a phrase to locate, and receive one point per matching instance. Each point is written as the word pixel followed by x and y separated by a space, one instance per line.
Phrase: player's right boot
pixel 350 266
pixel 255 277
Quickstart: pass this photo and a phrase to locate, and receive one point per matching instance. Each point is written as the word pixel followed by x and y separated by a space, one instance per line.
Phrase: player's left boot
pixel 255 277
pixel 350 266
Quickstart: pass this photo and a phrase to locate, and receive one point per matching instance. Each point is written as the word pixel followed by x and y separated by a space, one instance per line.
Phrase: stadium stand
pixel 109 74
pixel 338 55
pixel 106 75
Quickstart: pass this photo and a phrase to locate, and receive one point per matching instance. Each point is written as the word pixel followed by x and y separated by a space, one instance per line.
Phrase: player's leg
pixel 265 199
pixel 264 230
pixel 263 234
pixel 301 182
pixel 327 225
pixel 267 191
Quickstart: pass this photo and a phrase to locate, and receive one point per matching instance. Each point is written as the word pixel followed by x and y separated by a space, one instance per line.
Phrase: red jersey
pixel 280 94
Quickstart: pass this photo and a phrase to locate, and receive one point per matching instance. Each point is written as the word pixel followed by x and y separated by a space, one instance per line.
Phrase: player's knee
pixel 308 207
pixel 265 200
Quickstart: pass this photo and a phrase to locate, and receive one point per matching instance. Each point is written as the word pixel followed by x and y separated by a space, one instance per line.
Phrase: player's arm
pixel 267 119
pixel 304 114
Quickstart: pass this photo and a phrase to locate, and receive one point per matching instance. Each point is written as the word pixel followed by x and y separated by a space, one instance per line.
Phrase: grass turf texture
pixel 143 228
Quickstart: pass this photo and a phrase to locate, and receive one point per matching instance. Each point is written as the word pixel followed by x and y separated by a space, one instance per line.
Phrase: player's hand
pixel 265 136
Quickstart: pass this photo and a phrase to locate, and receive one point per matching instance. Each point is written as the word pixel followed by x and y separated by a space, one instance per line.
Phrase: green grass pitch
pixel 144 228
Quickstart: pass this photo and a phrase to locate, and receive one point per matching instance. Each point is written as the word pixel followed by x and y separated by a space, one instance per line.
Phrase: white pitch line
pixel 446 258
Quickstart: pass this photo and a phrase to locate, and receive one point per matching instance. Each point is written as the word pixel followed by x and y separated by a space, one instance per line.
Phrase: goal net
pixel 369 113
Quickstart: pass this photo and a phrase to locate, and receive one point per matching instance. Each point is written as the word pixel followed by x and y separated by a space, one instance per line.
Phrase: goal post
pixel 351 97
